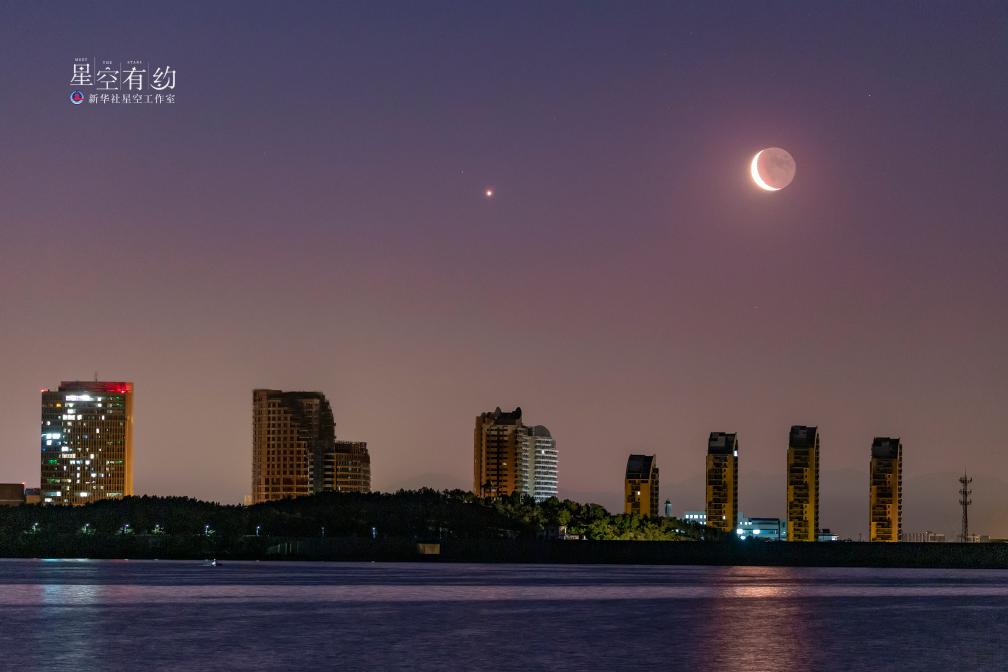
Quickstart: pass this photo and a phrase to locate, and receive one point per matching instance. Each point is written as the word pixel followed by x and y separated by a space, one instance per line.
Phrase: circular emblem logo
pixel 76 97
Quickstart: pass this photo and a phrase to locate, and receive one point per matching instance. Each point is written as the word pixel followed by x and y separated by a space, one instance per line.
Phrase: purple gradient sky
pixel 310 216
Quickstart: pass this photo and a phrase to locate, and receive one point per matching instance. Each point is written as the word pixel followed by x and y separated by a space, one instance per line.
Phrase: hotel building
pixel 292 432
pixel 803 484
pixel 87 442
pixel 885 487
pixel 509 457
pixel 496 444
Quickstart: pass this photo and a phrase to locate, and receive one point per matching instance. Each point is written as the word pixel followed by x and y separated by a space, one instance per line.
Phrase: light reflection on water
pixel 275 616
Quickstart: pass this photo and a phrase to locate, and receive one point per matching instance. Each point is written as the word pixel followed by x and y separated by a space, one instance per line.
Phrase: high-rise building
pixel 510 457
pixel 87 442
pixel 537 463
pixel 292 432
pixel 641 485
pixel 722 481
pixel 885 487
pixel 803 484
pixel 498 439
pixel 347 468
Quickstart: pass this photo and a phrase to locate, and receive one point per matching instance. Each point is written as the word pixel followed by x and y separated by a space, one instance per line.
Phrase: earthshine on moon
pixel 772 169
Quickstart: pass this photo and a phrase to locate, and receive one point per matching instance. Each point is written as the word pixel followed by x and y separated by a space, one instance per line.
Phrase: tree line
pixel 422 515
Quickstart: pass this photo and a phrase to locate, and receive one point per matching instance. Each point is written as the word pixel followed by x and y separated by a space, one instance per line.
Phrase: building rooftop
pixel 96 386
pixel 886 448
pixel 722 443
pixel 500 417
pixel 539 430
pixel 292 394
pixel 802 436
pixel 640 466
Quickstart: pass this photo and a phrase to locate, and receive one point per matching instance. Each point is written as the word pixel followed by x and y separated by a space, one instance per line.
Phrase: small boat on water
pixel 212 563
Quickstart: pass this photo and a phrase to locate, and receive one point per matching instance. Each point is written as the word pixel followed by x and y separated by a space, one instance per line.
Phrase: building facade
pixel 885 490
pixel 641 485
pixel 722 481
pixel 762 529
pixel 87 442
pixel 510 457
pixel 803 484
pixel 497 441
pixel 292 432
pixel 12 494
pixel 537 463
pixel 347 468
pixel 698 517
pixel 926 537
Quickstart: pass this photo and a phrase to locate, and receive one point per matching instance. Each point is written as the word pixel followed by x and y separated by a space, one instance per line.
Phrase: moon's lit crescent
pixel 754 169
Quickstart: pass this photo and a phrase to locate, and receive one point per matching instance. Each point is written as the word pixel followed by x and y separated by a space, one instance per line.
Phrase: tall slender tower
pixel 965 499
pixel 87 442
pixel 803 484
pixel 885 490
pixel 641 485
pixel 722 481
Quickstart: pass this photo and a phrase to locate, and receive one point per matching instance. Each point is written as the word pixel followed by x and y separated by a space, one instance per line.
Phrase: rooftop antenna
pixel 965 500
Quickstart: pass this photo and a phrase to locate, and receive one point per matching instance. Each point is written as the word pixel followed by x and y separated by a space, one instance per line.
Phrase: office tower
pixel 292 432
pixel 347 468
pixel 803 484
pixel 668 508
pixel 537 463
pixel 498 439
pixel 87 442
pixel 722 481
pixel 885 486
pixel 641 485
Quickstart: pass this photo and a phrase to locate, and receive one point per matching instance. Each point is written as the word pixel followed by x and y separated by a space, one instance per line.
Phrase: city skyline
pixel 718 442
pixel 328 227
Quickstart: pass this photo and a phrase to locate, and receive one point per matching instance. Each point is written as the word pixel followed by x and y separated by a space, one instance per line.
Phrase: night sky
pixel 310 214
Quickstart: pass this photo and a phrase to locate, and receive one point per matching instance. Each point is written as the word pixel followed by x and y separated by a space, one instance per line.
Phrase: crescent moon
pixel 756 176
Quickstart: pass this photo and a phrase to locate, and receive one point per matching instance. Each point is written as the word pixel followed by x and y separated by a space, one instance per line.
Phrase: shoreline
pixel 354 549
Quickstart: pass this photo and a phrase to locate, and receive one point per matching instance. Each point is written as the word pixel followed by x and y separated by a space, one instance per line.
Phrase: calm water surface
pixel 156 615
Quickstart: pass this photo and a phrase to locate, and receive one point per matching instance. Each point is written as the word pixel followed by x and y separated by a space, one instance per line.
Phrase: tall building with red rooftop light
pixel 87 442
